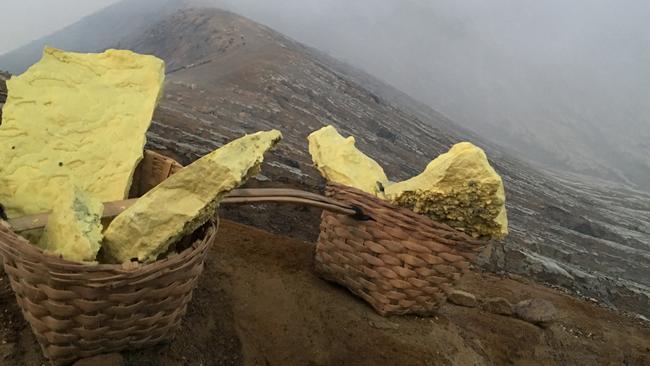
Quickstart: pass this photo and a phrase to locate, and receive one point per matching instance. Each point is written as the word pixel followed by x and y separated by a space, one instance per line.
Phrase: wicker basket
pixel 398 261
pixel 78 311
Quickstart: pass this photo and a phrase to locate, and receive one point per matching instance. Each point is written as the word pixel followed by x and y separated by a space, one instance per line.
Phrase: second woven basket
pixel 398 261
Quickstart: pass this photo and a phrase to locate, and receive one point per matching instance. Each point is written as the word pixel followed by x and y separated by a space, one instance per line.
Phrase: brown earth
pixel 260 303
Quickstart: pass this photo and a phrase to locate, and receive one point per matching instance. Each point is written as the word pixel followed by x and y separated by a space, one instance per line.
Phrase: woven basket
pixel 398 261
pixel 78 310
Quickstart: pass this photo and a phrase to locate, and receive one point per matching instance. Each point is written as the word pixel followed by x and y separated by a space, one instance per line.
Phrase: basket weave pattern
pixel 78 310
pixel 399 261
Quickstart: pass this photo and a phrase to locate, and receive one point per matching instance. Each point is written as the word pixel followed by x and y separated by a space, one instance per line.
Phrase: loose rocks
pixel 536 311
pixel 462 298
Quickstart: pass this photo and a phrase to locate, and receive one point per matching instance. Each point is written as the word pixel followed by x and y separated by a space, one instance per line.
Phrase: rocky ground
pixel 260 303
pixel 229 76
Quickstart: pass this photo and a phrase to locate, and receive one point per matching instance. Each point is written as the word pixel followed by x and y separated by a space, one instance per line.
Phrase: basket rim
pixel 11 241
pixel 12 244
pixel 421 219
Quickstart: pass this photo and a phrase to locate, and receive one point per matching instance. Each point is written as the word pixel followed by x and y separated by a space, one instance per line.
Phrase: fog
pixel 566 83
pixel 26 20
pixel 561 83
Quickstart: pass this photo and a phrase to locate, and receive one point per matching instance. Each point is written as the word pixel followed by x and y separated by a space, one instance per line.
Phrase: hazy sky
pixel 563 82
pixel 26 20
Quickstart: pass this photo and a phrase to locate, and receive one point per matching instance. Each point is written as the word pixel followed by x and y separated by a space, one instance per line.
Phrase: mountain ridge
pixel 258 79
pixel 228 76
pixel 102 27
pixel 499 95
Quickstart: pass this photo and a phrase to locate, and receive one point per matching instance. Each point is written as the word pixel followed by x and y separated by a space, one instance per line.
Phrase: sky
pixel 563 82
pixel 32 19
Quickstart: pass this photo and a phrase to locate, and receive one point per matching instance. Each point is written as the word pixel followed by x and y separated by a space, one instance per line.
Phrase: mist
pixel 26 20
pixel 562 84
pixel 566 84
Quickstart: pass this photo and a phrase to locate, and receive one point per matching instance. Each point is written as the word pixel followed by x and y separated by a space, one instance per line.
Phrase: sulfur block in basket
pixel 78 311
pixel 458 188
pixel 340 161
pixel 184 201
pixel 74 115
pixel 74 228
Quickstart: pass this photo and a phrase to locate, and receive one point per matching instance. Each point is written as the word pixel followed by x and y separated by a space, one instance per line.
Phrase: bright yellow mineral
pixel 338 160
pixel 74 228
pixel 73 115
pixel 184 201
pixel 458 188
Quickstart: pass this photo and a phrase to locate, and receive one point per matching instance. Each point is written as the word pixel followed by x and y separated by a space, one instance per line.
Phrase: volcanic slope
pixel 94 32
pixel 228 75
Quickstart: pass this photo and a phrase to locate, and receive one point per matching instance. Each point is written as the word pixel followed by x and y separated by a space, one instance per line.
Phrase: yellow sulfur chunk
pixel 184 201
pixel 338 160
pixel 74 228
pixel 458 188
pixel 75 116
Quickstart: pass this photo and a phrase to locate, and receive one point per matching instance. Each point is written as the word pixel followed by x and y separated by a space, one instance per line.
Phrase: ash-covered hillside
pixel 228 76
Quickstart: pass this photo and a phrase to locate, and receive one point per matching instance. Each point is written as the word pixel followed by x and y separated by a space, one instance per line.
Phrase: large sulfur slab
pixel 81 116
pixel 74 228
pixel 458 188
pixel 338 160
pixel 184 201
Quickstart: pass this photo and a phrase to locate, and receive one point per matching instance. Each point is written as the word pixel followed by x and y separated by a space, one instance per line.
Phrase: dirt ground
pixel 260 303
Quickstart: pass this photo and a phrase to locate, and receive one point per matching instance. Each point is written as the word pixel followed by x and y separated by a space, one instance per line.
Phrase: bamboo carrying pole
pixel 237 196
